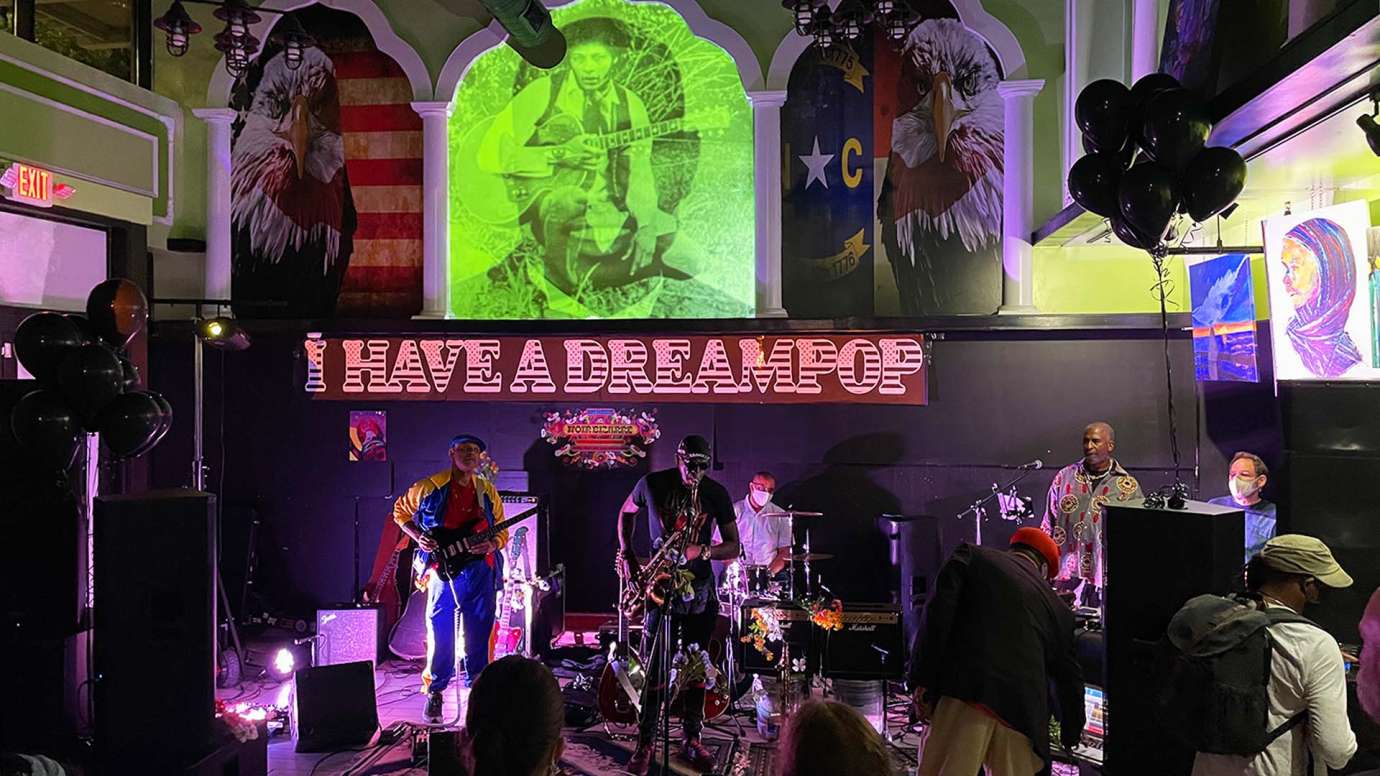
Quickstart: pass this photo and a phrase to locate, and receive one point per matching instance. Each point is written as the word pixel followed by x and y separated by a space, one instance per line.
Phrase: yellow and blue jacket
pixel 426 502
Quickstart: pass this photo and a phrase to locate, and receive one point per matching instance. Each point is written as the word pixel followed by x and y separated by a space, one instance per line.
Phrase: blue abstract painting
pixel 1223 319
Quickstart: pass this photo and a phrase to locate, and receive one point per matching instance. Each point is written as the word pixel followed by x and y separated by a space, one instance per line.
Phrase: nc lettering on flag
pixel 827 202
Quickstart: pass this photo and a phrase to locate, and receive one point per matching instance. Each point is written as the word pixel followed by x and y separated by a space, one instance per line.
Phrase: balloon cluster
pixel 1146 159
pixel 88 382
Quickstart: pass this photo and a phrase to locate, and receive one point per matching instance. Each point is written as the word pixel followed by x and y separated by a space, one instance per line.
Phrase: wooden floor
pixel 399 696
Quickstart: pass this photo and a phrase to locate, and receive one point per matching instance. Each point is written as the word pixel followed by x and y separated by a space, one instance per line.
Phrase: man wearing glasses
pixel 457 499
pixel 666 495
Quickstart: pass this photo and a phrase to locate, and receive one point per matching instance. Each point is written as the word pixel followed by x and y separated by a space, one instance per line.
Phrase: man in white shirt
pixel 1307 674
pixel 766 542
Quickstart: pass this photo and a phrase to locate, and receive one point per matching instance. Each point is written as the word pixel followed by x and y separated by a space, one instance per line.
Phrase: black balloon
pixel 165 418
pixel 89 378
pixel 1093 183
pixel 129 422
pixel 47 429
pixel 131 378
pixel 1129 234
pixel 1147 197
pixel 117 310
pixel 83 324
pixel 1212 181
pixel 42 341
pixel 1174 128
pixel 1123 155
pixel 1103 110
pixel 1150 85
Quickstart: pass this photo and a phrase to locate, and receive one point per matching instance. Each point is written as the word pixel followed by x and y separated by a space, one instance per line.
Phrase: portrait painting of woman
pixel 1319 278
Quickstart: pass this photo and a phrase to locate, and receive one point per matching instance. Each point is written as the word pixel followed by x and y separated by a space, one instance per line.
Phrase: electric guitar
pixel 384 590
pixel 407 640
pixel 501 198
pixel 453 552
pixel 621 683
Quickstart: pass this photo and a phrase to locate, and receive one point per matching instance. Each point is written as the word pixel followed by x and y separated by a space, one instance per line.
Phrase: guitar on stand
pixel 510 626
pixel 620 685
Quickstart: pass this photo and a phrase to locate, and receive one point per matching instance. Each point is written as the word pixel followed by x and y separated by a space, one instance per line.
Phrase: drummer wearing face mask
pixel 766 540
pixel 1248 476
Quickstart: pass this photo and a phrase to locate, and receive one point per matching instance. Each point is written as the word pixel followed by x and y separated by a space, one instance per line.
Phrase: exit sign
pixel 33 186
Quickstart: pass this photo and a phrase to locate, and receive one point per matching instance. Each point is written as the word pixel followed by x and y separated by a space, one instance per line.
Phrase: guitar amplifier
pixel 798 637
pixel 347 634
pixel 870 646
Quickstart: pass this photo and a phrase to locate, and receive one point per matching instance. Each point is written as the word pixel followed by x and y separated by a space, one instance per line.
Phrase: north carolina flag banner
pixel 827 202
pixel 383 156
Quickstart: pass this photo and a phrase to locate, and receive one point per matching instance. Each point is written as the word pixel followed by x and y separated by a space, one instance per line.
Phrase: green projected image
pixel 616 185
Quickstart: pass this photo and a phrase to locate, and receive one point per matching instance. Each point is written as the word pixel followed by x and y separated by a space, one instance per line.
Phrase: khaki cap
pixel 1299 554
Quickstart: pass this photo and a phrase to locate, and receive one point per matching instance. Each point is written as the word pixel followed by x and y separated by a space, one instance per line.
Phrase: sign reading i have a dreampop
pixel 805 369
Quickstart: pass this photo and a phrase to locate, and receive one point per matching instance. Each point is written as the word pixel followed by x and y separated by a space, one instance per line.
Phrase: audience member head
pixel 1368 682
pixel 1039 547
pixel 513 723
pixel 1294 570
pixel 1247 477
pixel 825 738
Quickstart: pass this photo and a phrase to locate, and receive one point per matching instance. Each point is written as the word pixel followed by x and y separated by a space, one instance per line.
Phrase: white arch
pixel 714 31
pixel 970 12
pixel 387 41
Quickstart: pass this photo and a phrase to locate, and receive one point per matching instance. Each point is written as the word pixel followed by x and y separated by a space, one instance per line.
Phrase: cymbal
pixel 785 513
pixel 806 557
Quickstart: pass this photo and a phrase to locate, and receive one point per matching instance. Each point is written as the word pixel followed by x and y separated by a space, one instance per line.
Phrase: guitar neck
pixel 630 136
pixel 492 531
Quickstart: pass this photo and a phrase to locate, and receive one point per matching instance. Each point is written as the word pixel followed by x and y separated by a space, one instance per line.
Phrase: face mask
pixel 758 495
pixel 1242 488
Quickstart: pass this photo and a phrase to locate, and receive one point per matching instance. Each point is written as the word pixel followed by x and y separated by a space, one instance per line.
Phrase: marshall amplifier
pixel 870 646
pixel 797 640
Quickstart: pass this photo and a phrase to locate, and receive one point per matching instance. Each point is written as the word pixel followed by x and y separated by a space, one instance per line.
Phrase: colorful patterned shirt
pixel 1075 514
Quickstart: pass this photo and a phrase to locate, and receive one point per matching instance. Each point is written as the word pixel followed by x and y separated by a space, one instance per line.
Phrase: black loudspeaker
pixel 795 627
pixel 870 646
pixel 155 629
pixel 1155 561
pixel 335 706
pixel 1331 417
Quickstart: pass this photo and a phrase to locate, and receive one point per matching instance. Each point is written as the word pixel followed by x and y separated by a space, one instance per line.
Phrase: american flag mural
pixel 383 155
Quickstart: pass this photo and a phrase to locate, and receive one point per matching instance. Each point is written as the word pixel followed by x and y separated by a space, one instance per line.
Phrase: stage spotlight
pixel 223 333
pixel 1372 130
pixel 284 662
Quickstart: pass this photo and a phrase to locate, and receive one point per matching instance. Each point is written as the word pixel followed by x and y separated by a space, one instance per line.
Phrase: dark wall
pixel 999 399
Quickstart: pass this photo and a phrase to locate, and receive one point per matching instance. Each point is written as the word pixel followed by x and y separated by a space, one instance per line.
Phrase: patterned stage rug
pixel 593 754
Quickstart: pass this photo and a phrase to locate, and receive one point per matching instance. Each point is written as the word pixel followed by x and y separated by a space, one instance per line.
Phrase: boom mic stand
pixel 978 509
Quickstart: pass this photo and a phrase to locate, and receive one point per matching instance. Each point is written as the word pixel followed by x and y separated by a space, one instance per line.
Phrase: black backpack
pixel 1214 673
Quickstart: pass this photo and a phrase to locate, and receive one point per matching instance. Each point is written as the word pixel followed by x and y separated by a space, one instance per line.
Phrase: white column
pixel 435 208
pixel 766 140
pixel 1018 152
pixel 1145 38
pixel 218 168
pixel 1074 81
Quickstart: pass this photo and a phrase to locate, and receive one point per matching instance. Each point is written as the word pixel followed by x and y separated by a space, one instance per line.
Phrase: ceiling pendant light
pixel 237 16
pixel 180 28
pixel 294 40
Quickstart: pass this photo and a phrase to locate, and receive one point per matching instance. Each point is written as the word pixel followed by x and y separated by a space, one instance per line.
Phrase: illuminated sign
pixel 806 369
pixel 600 438
pixel 33 186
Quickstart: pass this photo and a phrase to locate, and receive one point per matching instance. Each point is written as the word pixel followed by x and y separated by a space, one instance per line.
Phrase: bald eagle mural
pixel 293 218
pixel 939 206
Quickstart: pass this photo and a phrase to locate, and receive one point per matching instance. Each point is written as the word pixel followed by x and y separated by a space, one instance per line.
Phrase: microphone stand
pixel 977 509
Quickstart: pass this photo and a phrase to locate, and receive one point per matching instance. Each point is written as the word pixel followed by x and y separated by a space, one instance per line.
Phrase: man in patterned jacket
pixel 1075 512
pixel 456 499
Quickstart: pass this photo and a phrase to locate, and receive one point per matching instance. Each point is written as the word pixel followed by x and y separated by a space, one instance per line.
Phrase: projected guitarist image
pixel 574 152
pixel 456 518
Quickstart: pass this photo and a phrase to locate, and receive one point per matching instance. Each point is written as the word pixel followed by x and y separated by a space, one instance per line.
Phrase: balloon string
pixel 1163 286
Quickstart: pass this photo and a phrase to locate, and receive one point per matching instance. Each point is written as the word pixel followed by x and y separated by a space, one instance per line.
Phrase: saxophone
pixel 651 582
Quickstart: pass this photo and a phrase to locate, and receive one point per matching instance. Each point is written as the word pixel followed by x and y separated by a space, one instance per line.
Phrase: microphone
pixel 1033 465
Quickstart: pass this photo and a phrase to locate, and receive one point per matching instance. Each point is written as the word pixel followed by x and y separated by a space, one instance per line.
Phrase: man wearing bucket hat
pixel 993 638
pixel 1307 676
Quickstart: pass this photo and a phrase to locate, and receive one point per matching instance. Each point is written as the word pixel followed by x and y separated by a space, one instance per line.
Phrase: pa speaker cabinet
pixel 1156 559
pixel 870 646
pixel 347 634
pixel 155 626
pixel 335 706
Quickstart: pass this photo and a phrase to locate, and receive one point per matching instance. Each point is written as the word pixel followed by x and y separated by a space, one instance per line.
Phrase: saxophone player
pixel 668 496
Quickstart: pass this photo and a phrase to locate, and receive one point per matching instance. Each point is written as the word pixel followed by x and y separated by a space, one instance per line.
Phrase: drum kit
pixel 744 581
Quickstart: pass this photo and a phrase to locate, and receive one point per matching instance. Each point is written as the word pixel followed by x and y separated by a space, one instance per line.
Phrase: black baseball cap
pixel 694 446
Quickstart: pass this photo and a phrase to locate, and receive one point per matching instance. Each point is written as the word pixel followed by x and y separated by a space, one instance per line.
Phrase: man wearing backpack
pixel 1305 729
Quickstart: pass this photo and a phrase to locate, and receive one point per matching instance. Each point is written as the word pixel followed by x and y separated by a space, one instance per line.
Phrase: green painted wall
pixel 103 132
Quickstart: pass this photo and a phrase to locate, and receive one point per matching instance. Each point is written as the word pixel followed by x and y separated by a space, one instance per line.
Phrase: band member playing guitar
pixel 668 496
pixel 459 574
